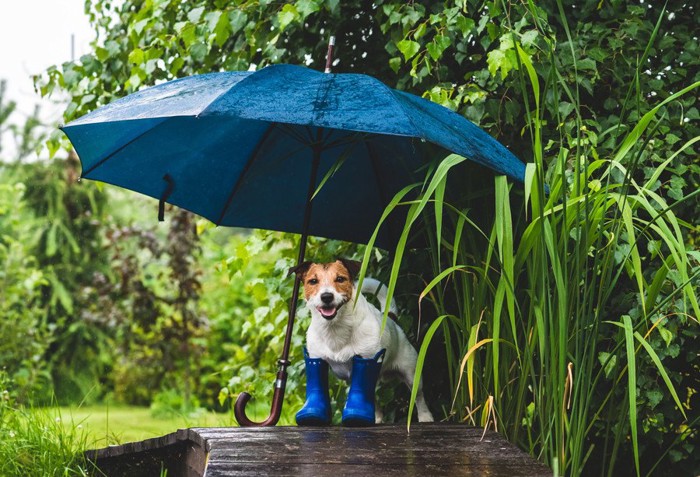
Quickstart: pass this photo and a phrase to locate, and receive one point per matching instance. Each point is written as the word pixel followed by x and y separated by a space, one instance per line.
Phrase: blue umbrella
pixel 261 149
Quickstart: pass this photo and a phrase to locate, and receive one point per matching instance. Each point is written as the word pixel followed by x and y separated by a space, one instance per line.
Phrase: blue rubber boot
pixel 317 408
pixel 359 408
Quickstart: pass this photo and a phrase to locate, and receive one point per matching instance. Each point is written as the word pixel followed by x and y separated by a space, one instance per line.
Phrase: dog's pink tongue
pixel 327 311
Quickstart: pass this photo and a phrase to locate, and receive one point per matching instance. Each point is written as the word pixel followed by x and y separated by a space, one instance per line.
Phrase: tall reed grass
pixel 526 305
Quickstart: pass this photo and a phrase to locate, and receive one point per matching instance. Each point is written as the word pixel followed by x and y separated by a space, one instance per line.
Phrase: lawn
pixel 108 425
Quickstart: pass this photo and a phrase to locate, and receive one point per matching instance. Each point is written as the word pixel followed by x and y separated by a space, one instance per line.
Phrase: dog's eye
pixel 313 281
pixel 340 279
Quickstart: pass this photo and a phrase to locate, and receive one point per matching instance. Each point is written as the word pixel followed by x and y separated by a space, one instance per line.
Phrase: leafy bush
pixel 24 334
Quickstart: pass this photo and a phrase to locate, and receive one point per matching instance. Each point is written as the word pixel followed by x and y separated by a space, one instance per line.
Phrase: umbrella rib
pixel 294 134
pixel 377 176
pixel 349 139
pixel 119 149
pixel 245 170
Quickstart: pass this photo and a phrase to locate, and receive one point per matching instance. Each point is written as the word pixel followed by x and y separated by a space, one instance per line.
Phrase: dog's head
pixel 328 286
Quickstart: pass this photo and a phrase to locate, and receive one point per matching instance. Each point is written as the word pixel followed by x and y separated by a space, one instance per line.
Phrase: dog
pixel 345 324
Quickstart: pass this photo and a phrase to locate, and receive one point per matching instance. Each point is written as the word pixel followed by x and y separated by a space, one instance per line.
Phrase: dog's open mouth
pixel 328 311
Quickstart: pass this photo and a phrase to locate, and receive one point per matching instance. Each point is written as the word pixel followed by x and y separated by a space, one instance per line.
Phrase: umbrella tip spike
pixel 329 54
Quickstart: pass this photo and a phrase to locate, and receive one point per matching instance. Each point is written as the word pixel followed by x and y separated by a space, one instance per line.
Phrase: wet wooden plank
pixel 429 449
pixel 277 469
pixel 180 454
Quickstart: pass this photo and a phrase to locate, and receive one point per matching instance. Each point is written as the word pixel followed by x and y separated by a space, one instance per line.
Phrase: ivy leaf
pixel 408 48
pixel 136 56
pixel 133 82
pixel 222 30
pixel 438 46
pixel 188 34
pixel 654 396
pixel 420 31
pixel 465 25
pixel 176 65
pixel 138 27
pixel 237 19
pixel 101 53
pixel 495 59
pixel 676 189
pixel 307 7
pixel 503 59
pixel 395 64
pixel 528 38
pixel 587 64
pixel 198 51
pixel 195 14
pixel 609 366
pixel 287 15
pixel 212 19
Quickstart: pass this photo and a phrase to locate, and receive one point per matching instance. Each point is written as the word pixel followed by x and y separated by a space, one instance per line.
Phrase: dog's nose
pixel 326 298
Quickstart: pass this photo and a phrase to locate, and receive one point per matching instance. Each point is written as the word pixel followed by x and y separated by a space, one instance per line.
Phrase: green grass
pixel 110 425
pixel 51 441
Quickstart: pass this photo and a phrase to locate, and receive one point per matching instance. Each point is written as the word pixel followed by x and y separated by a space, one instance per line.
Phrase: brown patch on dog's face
pixel 320 275
pixel 321 280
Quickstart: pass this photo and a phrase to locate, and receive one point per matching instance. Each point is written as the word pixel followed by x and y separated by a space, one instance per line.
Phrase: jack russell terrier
pixel 344 325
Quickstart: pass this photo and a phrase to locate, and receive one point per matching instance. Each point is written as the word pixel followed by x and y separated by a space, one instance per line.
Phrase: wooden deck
pixel 386 450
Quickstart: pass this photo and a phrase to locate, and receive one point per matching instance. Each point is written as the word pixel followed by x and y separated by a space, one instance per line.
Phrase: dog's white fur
pixel 356 329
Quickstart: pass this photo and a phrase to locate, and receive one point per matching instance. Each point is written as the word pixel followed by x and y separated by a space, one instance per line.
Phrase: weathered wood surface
pixel 387 450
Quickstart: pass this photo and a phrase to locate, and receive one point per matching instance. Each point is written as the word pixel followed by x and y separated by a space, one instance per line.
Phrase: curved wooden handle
pixel 276 408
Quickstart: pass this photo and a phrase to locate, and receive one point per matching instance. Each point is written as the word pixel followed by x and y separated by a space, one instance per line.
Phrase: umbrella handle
pixel 277 400
pixel 281 381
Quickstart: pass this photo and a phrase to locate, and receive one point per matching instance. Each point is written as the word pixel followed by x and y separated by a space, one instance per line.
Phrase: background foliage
pixel 534 294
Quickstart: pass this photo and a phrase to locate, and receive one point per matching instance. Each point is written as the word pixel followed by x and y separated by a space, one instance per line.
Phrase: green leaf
pixel 465 25
pixel 136 56
pixel 101 53
pixel 608 362
pixel 408 48
pixel 419 366
pixel 420 31
pixel 631 387
pixel 198 51
pixel 287 15
pixel 438 46
pixel 528 38
pixel 307 7
pixel 395 64
pixel 176 65
pixel 237 19
pixel 660 368
pixel 495 60
pixel 188 34
pixel 195 14
pixel 222 30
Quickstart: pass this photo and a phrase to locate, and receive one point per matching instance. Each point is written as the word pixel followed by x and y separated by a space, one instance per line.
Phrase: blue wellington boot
pixel 359 408
pixel 317 408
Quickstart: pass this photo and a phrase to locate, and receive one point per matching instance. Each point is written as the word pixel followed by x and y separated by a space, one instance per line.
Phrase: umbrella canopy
pixel 261 149
pixel 237 147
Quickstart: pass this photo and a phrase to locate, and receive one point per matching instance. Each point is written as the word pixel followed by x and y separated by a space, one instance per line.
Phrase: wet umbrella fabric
pixel 238 146
pixel 250 149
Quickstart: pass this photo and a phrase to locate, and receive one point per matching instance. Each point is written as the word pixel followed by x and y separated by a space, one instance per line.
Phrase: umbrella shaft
pixel 317 149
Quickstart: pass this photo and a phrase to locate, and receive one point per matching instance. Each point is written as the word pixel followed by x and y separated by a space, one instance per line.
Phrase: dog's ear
pixel 353 267
pixel 300 269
